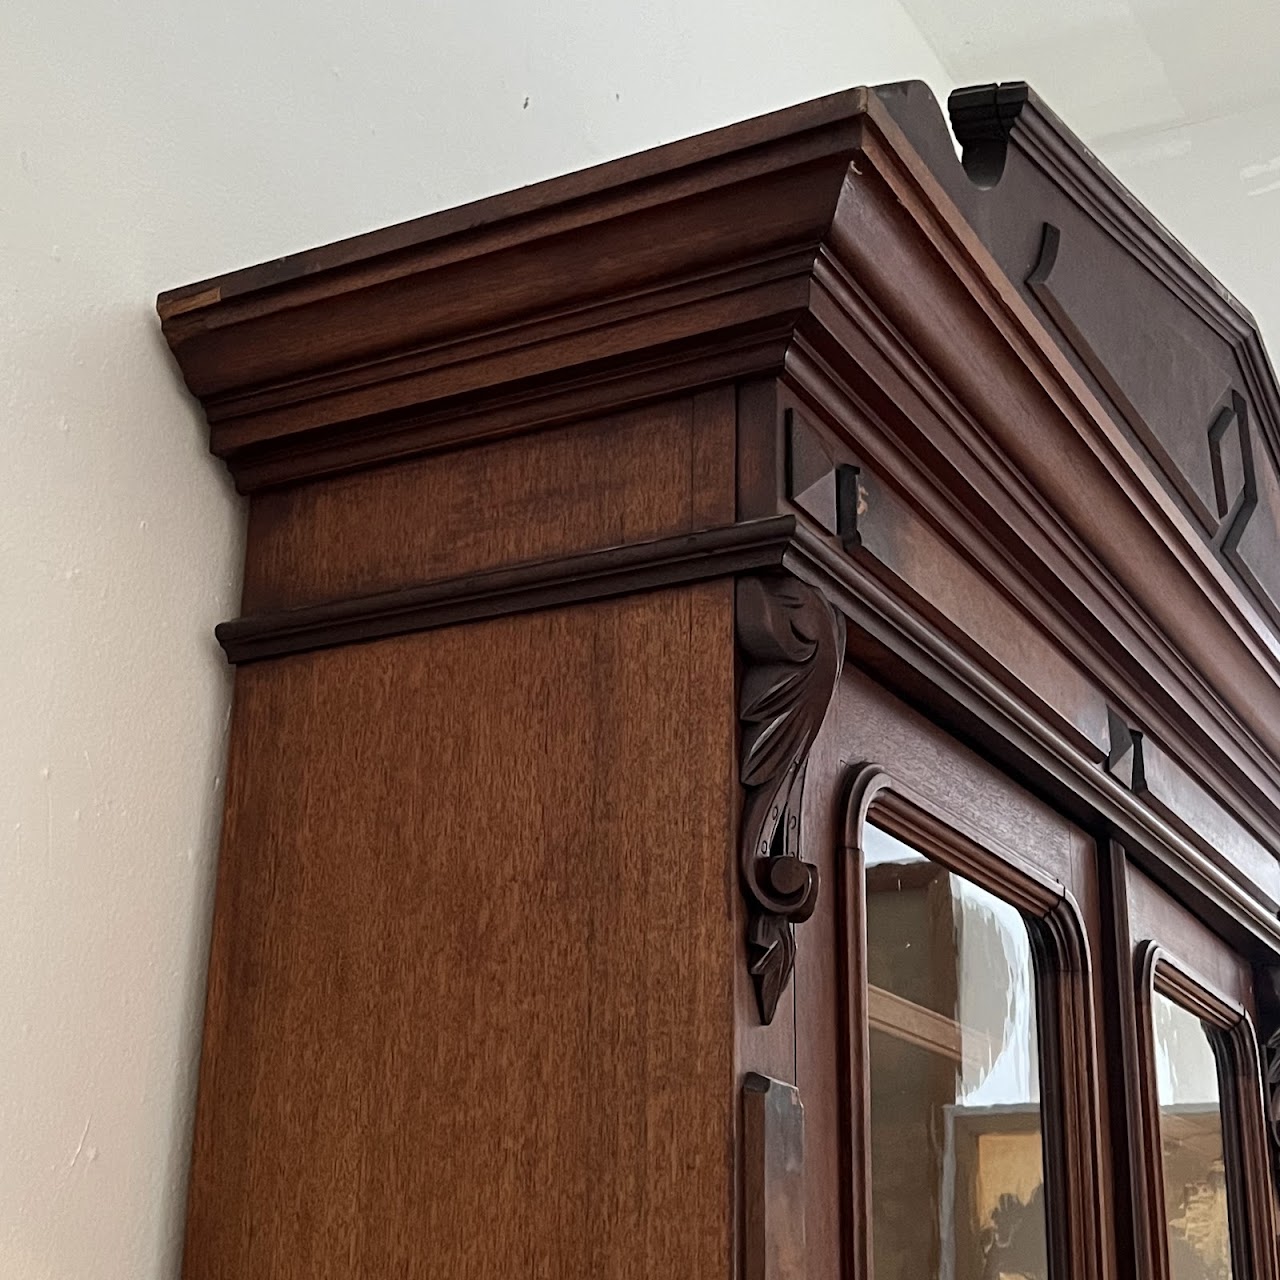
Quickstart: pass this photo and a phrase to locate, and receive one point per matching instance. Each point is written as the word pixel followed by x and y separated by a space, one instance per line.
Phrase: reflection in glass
pixel 1195 1184
pixel 957 1166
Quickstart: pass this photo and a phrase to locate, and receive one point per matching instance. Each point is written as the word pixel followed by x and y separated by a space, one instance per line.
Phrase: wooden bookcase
pixel 627 555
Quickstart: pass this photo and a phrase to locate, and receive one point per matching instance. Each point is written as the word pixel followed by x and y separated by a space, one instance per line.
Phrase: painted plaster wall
pixel 143 145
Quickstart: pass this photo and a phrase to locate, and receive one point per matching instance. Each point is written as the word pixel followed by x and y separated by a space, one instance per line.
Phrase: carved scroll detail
pixel 792 645
pixel 1271 1093
pixel 1267 990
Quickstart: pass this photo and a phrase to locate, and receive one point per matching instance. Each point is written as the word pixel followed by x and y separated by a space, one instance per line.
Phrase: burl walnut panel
pixel 662 469
pixel 471 991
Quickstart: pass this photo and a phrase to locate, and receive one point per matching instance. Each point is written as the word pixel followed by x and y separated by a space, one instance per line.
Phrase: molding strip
pixel 593 575
pixel 773 1180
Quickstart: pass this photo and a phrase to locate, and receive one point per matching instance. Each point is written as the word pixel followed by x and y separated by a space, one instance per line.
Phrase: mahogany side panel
pixel 626 477
pixel 472 981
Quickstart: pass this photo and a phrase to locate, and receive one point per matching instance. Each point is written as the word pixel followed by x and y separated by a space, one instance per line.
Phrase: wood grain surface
pixel 663 469
pixel 471 991
pixel 834 255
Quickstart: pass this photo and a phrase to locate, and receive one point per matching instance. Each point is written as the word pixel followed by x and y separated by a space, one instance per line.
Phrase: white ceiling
pixel 1115 66
pixel 1179 98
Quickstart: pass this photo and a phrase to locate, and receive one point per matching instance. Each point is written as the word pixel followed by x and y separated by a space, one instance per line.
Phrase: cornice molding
pixel 1011 139
pixel 1048 464
pixel 1030 553
pixel 680 262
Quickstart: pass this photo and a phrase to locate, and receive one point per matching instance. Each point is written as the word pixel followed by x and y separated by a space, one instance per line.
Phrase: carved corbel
pixel 1271 1081
pixel 1267 991
pixel 792 646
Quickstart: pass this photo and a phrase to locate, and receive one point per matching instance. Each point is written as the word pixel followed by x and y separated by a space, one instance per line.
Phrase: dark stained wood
pixel 991 623
pixel 826 490
pixel 471 998
pixel 1159 945
pixel 852 278
pixel 1117 1004
pixel 637 566
pixel 469 419
pixel 1150 772
pixel 1020 431
pixel 599 273
pixel 1161 962
pixel 1170 790
pixel 616 546
pixel 761 448
pixel 893 791
pixel 1176 357
pixel 817 991
pixel 773 1160
pixel 982 803
pixel 644 178
pixel 630 477
pixel 1061 283
pixel 792 647
pixel 903 649
pixel 947 803
pixel 1121 662
pixel 1156 916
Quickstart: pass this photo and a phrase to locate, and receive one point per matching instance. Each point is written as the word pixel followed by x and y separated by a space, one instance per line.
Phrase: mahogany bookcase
pixel 672 593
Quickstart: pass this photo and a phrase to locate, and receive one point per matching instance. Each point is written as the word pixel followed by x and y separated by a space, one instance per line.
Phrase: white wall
pixel 143 145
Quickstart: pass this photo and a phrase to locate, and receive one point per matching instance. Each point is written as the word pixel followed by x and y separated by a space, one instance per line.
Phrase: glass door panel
pixel 1192 1156
pixel 957 1159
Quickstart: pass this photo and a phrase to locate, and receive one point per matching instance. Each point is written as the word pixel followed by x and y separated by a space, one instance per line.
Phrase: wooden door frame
pixel 1068 1054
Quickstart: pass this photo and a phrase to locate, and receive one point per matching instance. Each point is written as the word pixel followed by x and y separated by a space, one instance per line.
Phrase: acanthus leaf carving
pixel 1267 989
pixel 792 646
pixel 1271 1056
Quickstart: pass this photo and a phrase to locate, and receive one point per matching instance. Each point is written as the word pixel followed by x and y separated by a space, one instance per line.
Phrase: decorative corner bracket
pixel 792 645
pixel 1267 988
pixel 1271 1096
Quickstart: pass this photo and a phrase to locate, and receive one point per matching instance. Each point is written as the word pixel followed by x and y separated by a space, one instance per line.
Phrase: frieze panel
pixel 1173 357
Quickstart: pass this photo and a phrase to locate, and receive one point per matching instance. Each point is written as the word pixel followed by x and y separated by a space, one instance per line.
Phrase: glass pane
pixel 1195 1184
pixel 957 1166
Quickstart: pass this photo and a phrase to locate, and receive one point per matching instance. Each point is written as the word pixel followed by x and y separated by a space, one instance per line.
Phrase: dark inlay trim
pixel 1234 512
